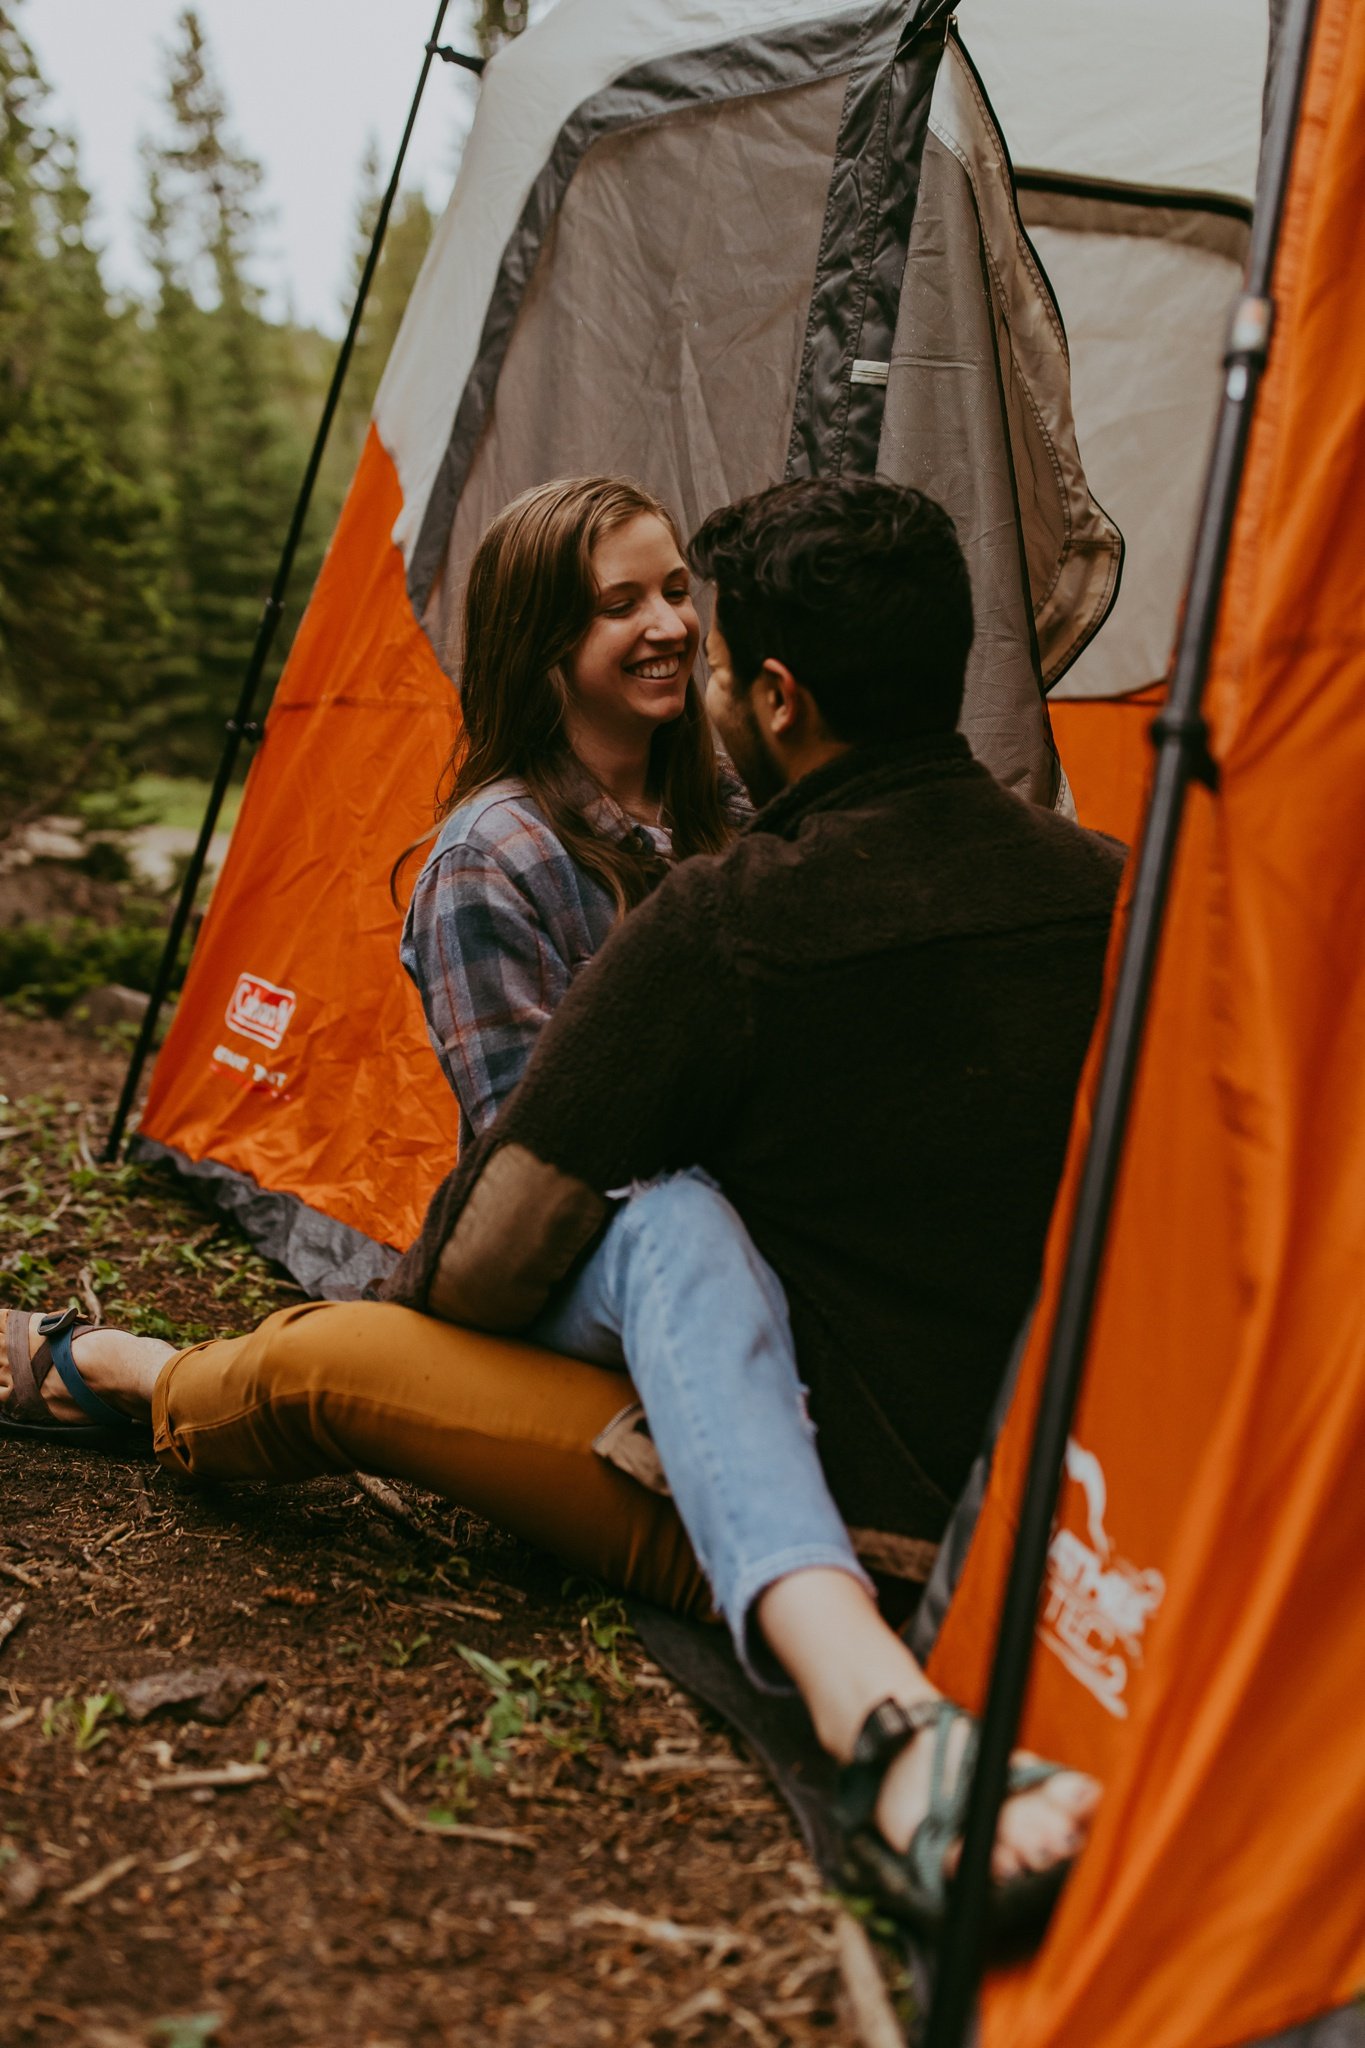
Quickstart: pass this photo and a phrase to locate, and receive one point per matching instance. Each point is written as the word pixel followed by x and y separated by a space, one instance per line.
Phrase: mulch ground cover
pixel 326 1766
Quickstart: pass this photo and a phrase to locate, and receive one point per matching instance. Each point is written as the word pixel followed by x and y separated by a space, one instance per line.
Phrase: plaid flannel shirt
pixel 500 922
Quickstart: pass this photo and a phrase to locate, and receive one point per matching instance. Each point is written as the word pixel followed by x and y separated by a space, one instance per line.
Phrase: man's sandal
pixel 23 1411
pixel 912 1884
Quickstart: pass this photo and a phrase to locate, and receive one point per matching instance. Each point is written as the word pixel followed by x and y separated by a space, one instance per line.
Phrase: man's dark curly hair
pixel 858 587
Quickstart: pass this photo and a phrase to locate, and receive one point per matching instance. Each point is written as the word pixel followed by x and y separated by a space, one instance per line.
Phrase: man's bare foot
pixel 120 1368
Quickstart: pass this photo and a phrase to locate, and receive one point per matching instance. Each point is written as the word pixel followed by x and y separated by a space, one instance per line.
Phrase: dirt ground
pixel 440 1796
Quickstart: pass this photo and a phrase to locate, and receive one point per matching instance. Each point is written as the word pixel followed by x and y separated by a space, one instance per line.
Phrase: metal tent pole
pixel 1182 743
pixel 241 724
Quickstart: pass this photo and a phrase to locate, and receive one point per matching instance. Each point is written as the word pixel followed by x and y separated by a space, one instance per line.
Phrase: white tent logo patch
pixel 1096 1605
pixel 260 1010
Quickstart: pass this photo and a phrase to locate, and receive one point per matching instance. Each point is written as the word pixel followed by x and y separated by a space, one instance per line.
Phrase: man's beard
pixel 758 771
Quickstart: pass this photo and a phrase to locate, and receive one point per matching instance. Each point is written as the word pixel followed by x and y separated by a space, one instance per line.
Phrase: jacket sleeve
pixel 635 1075
pixel 488 971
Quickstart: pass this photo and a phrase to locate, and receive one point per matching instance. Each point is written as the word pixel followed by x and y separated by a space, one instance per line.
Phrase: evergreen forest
pixel 151 449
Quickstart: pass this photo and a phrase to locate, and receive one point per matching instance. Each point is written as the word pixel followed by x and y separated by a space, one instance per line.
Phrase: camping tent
pixel 1197 1643
pixel 712 243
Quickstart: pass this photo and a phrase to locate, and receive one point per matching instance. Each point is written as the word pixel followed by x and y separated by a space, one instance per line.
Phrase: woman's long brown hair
pixel 529 599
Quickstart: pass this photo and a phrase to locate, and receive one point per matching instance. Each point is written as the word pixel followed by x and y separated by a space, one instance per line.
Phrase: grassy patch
pixel 180 801
pixel 75 1231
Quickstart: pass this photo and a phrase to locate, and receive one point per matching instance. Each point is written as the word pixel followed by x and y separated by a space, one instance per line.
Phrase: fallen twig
pixel 667 1933
pixel 16 1719
pixel 221 1780
pixel 10 1619
pixel 85 1283
pixel 392 1504
pixel 704 2002
pixel 179 1863
pixel 19 1575
pixel 110 1535
pixel 462 1607
pixel 874 2016
pixel 502 1838
pixel 683 1766
pixel 100 1882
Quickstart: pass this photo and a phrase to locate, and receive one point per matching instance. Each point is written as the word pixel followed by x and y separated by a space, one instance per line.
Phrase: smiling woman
pixel 584 767
pixel 629 676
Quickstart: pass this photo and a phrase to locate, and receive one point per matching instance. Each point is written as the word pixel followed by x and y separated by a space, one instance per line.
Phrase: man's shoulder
pixel 1063 845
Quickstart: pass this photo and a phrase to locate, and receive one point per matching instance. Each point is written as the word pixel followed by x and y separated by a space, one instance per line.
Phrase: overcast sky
pixel 307 82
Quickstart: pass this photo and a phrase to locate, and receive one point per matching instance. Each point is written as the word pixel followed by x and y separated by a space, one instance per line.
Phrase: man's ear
pixel 780 695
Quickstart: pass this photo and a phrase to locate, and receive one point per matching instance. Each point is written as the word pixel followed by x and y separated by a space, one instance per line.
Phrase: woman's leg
pixel 677 1294
pixel 505 1430
pixel 677 1290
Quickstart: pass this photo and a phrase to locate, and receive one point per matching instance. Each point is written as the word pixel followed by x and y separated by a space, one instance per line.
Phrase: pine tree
pixel 231 450
pixel 406 240
pixel 80 619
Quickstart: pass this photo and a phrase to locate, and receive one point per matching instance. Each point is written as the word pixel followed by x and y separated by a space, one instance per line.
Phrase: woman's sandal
pixel 23 1411
pixel 912 1884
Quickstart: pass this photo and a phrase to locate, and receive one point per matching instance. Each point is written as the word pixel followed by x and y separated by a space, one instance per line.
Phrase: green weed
pixel 82 1722
pixel 400 1654
pixel 560 1702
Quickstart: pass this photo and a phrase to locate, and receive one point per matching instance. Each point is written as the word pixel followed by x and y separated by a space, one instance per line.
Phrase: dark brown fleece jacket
pixel 866 1021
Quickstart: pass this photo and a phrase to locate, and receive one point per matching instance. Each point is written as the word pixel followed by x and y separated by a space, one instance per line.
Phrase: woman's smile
pixel 644 598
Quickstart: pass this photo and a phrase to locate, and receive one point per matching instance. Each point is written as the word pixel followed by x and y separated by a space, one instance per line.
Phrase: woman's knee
pixel 682 1207
pixel 687 1227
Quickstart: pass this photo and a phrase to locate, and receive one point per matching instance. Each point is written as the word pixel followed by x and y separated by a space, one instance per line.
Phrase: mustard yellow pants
pixel 504 1429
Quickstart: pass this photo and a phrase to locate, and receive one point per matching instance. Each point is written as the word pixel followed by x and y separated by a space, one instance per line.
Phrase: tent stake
pixel 242 725
pixel 1182 756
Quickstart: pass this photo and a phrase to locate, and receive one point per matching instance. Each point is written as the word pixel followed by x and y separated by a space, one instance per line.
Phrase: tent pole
pixel 1181 739
pixel 241 725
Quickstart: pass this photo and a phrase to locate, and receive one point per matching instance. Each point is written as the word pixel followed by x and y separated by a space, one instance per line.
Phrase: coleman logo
pixel 259 1010
pixel 1096 1606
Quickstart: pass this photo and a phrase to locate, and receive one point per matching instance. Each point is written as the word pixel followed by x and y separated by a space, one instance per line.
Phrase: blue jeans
pixel 677 1294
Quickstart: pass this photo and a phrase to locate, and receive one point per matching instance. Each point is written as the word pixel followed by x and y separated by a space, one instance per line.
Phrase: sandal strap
pixel 1026 1777
pixel 24 1403
pixel 57 1332
pixel 946 1814
pixel 889 1729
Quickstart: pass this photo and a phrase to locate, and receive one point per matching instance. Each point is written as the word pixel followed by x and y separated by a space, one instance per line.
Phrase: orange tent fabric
pixel 343 780
pixel 1106 750
pixel 1199 1642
